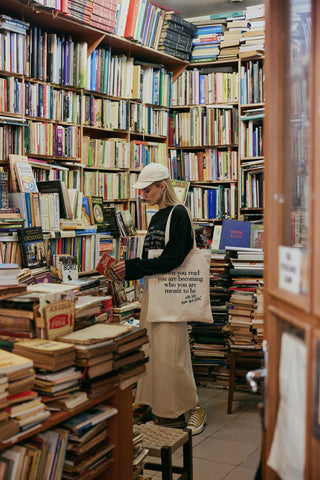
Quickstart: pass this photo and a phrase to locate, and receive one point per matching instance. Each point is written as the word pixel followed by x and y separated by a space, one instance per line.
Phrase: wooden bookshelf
pixel 120 426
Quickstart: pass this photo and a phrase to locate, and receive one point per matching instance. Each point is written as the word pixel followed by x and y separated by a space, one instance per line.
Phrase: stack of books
pixel 90 309
pixel 139 453
pixel 89 447
pixel 47 355
pixel 253 39
pixel 8 425
pixel 208 341
pixel 258 317
pixel 206 44
pixel 241 309
pixel 21 408
pixel 128 359
pixel 176 36
pixel 94 348
pixel 57 386
pixel 17 318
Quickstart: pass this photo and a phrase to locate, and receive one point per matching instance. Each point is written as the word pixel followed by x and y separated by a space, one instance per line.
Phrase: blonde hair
pixel 170 198
pixel 169 195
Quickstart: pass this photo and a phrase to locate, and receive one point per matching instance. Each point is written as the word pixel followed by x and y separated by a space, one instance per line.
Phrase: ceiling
pixel 193 8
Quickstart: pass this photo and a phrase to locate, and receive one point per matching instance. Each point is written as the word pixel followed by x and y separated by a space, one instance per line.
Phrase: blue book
pixel 235 233
pixel 209 29
pixel 202 88
pixel 212 198
pixel 28 206
pixel 146 24
pixel 89 418
pixel 94 68
pixel 153 28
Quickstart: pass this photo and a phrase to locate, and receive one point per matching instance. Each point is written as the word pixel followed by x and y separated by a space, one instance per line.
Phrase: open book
pixel 106 266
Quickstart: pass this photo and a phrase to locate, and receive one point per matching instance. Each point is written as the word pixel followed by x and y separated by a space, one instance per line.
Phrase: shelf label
pixel 290 269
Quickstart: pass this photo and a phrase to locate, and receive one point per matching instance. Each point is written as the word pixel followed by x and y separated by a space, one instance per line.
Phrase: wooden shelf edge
pixel 59 417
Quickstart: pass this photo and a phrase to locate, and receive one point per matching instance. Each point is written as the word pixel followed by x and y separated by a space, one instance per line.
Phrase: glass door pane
pixel 294 243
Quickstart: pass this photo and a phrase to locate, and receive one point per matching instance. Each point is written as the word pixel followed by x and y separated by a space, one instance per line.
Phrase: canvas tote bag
pixel 182 295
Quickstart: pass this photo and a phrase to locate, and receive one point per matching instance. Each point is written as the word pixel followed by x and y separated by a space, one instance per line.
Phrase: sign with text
pixel 290 269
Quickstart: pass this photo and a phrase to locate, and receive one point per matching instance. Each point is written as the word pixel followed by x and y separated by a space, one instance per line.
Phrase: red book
pixel 200 166
pixel 105 267
pixel 132 17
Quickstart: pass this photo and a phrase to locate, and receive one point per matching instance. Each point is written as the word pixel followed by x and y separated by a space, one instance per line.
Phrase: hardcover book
pixel 97 215
pixel 32 247
pixel 235 233
pixel 106 266
pixel 111 219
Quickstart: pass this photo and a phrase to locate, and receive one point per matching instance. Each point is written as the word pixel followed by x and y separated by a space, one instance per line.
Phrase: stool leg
pixel 187 456
pixel 166 463
pixel 231 380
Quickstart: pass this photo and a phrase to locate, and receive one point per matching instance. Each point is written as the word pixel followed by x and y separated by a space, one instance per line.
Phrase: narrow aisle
pixel 229 447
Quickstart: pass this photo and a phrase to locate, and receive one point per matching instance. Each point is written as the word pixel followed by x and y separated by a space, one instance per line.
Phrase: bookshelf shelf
pixel 251 159
pixel 120 426
pixel 203 147
pixel 147 136
pixel 252 105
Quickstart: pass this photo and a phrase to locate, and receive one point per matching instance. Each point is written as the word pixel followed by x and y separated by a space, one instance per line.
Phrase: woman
pixel 168 386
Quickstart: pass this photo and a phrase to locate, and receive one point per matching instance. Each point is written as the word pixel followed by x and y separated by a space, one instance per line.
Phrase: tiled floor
pixel 229 447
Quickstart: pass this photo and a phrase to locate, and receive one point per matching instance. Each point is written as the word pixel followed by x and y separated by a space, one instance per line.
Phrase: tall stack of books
pixel 241 309
pixel 176 36
pixel 20 407
pixel 246 301
pixel 139 453
pixel 258 318
pixel 208 340
pixel 253 39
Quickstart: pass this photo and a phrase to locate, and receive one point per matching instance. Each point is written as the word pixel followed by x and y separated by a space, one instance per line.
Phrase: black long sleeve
pixel 179 244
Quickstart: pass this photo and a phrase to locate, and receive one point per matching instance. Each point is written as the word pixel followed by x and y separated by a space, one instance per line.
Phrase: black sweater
pixel 179 244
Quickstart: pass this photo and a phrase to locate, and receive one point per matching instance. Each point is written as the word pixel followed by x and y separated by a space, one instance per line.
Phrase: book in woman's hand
pixel 106 266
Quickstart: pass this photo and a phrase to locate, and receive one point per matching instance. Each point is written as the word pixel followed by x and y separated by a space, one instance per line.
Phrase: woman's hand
pixel 120 269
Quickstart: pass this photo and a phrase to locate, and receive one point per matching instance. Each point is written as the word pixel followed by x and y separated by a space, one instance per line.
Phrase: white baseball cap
pixel 153 172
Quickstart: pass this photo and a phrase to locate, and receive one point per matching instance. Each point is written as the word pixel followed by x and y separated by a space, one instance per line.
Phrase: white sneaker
pixel 197 420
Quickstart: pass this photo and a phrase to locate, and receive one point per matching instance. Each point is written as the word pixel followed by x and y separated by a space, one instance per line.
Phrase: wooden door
pixel 292 241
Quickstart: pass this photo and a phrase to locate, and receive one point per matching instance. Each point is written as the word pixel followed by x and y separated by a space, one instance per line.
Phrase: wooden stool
pixel 257 354
pixel 162 442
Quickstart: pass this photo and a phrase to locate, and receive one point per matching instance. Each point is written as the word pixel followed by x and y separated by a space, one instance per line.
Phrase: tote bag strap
pixel 167 232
